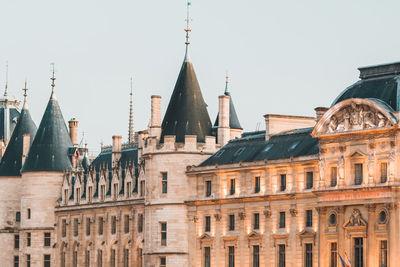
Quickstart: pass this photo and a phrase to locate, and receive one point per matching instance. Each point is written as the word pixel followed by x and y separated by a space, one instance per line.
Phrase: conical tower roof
pixel 187 112
pixel 49 150
pixel 233 118
pixel 11 162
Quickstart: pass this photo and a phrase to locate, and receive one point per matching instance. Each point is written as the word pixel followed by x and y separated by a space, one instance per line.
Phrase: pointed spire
pixel 187 30
pixel 25 89
pixel 53 79
pixel 226 83
pixel 6 86
pixel 131 132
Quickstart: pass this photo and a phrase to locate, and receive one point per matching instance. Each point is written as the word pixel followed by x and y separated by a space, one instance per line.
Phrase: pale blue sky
pixel 284 57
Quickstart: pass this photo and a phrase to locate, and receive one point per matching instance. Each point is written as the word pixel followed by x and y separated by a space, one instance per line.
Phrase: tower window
pixel 383 172
pixel 99 258
pixel 126 258
pixel 164 182
pixel 208 188
pixel 28 239
pixel 310 180
pixel 208 224
pixel 283 182
pixel 87 258
pixel 163 234
pixel 333 176
pixel 16 241
pixel 232 186
pixel 257 181
pixel 358 168
pixel 163 261
pixel 29 214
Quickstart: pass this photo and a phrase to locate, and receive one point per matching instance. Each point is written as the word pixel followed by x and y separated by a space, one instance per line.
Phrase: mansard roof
pixel 380 82
pixel 253 147
pixel 187 112
pixel 233 117
pixel 49 150
pixel 11 162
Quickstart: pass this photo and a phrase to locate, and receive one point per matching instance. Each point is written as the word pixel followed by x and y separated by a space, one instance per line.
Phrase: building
pixel 184 192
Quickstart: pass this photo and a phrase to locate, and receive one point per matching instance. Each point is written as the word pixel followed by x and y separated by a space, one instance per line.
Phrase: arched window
pixel 29 213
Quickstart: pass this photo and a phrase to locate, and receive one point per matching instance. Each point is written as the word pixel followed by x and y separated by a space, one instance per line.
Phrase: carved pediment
pixel 254 235
pixel 206 237
pixel 354 115
pixel 356 220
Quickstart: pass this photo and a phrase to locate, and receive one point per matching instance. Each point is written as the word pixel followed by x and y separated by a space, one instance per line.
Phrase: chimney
pixel 223 120
pixel 155 121
pixel 116 149
pixel 319 112
pixel 26 142
pixel 73 131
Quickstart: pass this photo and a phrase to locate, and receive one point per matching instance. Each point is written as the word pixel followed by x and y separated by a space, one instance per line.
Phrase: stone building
pixel 185 192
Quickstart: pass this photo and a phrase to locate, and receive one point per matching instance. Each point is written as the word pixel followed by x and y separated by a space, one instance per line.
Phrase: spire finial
pixel 6 87
pixel 226 83
pixel 25 89
pixel 53 78
pixel 131 130
pixel 187 30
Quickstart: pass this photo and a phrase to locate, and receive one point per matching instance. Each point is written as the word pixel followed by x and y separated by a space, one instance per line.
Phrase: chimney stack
pixel 116 149
pixel 319 112
pixel 223 120
pixel 26 142
pixel 73 131
pixel 155 121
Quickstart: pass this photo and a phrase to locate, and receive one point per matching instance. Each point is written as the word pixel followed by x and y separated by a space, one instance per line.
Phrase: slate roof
pixel 11 162
pixel 380 82
pixel 187 112
pixel 253 147
pixel 49 150
pixel 233 117
pixel 14 114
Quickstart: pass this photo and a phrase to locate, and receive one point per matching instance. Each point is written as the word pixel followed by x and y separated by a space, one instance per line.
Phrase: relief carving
pixel 356 117
pixel 355 220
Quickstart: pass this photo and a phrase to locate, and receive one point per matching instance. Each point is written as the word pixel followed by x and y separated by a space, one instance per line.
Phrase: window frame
pixel 163 234
pixel 257 184
pixel 283 182
pixel 164 182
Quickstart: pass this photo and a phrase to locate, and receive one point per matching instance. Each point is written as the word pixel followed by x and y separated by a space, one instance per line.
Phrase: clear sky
pixel 284 57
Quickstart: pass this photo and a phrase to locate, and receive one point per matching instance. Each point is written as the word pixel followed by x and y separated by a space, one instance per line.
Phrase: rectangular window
pixel 113 225
pixel 232 186
pixel 256 221
pixel 207 257
pixel 18 216
pixel 126 224
pixel 16 261
pixel 333 255
pixel 16 241
pixel 28 239
pixel 308 255
pixel 256 256
pixel 164 182
pixel 112 258
pixel 29 213
pixel 76 227
pixel 208 224
pixel 358 252
pixel 163 261
pixel 333 176
pixel 78 195
pixel 88 226
pixel 283 182
pixel 140 223
pixel 100 224
pixel 281 256
pixel 358 167
pixel 28 260
pixel 208 188
pixel 75 258
pixel 47 239
pixel 99 258
pixel 126 257
pixel 231 222
pixel 142 188
pixel 90 193
pixel 231 256
pixel 310 180
pixel 163 234
pixel 257 181
pixel 309 218
pixel 383 172
pixel 87 258
pixel 282 220
pixel 64 228
pixel 383 255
